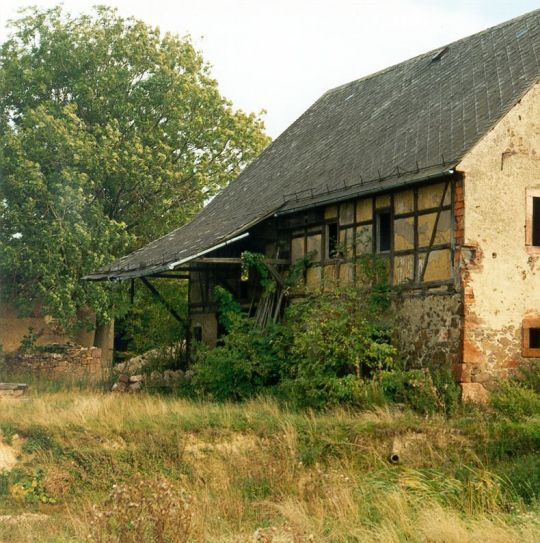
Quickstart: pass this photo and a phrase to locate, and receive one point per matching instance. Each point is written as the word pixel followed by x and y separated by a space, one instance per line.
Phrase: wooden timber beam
pixel 160 298
pixel 227 260
pixel 169 276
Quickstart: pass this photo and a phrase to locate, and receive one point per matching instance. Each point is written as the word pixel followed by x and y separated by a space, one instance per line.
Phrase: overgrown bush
pixel 529 375
pixel 515 400
pixel 317 357
pixel 248 362
pixel 334 340
pixel 424 390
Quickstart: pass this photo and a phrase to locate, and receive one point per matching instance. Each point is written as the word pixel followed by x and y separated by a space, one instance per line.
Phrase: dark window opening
pixel 384 232
pixel 244 290
pixel 534 338
pixel 536 221
pixel 197 333
pixel 332 232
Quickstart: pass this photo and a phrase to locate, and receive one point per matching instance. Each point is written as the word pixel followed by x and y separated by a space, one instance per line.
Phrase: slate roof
pixel 408 122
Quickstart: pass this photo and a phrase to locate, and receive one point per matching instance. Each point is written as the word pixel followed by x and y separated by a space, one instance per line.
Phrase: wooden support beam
pixel 169 276
pixel 227 260
pixel 434 232
pixel 160 298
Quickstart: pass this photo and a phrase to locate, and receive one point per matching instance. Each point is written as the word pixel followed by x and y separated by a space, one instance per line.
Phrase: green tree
pixel 112 135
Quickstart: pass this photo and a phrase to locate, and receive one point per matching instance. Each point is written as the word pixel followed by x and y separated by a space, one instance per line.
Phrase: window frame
pixel 338 254
pixel 526 350
pixel 378 213
pixel 530 195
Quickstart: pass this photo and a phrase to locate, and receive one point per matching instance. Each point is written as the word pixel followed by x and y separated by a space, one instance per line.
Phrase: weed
pixel 143 510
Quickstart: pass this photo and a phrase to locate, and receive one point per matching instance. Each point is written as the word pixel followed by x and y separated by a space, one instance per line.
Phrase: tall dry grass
pixel 259 472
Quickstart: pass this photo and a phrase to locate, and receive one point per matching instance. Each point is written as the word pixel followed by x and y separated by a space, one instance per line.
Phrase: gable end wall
pixel 500 276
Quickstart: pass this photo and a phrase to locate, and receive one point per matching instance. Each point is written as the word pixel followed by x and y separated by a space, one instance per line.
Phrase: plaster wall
pixel 13 329
pixel 209 327
pixel 500 276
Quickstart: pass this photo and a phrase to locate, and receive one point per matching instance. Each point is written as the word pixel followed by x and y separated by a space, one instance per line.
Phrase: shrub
pixel 246 364
pixel 529 375
pixel 424 390
pixel 334 339
pixel 513 399
pixel 523 474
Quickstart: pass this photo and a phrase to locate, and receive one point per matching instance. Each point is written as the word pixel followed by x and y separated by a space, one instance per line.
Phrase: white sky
pixel 282 55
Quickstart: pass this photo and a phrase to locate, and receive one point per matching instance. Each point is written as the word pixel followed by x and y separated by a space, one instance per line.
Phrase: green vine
pixel 256 261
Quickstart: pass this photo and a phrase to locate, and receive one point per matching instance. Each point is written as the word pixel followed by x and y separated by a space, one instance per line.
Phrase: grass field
pixel 203 472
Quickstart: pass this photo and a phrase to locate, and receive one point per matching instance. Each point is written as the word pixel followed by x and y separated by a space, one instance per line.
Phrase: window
pixel 332 240
pixel 197 332
pixel 531 337
pixel 384 231
pixel 534 338
pixel 532 223
pixel 535 221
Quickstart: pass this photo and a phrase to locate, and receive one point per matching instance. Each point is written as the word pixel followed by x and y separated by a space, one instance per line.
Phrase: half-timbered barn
pixel 433 165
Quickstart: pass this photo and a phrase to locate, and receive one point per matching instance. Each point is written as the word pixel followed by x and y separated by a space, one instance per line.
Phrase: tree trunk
pixel 104 339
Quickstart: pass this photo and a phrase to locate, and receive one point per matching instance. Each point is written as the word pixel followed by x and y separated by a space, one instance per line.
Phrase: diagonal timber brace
pixel 157 295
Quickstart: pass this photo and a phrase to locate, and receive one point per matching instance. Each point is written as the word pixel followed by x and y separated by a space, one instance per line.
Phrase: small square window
pixel 384 231
pixel 534 338
pixel 531 337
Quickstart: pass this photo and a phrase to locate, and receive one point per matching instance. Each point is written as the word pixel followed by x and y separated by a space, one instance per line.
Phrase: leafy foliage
pixel 335 338
pixel 148 324
pixel 112 134
pixel 247 363
pixel 424 390
pixel 316 357
pixel 516 401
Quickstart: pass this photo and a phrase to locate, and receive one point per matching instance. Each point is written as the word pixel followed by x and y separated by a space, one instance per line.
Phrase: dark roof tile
pixel 409 115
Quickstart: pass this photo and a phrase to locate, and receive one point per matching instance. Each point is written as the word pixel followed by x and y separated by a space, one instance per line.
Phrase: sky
pixel 281 55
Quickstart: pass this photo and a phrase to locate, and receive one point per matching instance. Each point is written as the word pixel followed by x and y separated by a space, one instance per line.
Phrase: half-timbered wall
pixel 410 229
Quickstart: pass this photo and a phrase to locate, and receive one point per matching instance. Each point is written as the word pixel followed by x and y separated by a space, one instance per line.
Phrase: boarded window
pixel 384 231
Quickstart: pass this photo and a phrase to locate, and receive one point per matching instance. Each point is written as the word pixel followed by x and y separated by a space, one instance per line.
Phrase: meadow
pixel 93 466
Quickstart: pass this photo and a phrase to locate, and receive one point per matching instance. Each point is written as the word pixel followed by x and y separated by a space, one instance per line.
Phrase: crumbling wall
pixel 13 328
pixel 428 328
pixel 70 361
pixel 500 276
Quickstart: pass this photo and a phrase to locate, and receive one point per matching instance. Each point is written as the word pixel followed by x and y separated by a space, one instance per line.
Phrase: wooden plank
pixel 13 386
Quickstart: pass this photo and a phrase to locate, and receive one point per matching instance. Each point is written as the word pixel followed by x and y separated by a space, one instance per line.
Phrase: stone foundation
pixel 68 361
pixel 428 328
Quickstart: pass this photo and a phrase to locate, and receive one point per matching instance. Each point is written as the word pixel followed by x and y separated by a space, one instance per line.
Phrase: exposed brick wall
pixel 73 362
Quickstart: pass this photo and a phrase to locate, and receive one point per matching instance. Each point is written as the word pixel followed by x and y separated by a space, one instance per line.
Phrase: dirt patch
pixel 236 445
pixel 23 518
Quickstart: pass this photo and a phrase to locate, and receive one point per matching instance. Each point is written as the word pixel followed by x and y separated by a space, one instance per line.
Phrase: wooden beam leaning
pixel 160 298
